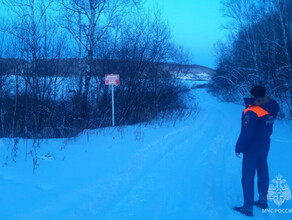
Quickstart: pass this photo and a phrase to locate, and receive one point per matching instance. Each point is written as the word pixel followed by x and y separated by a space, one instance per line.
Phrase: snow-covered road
pixel 186 171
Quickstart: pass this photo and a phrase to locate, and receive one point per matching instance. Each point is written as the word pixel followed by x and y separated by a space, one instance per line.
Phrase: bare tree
pixel 37 41
pixel 262 37
pixel 88 21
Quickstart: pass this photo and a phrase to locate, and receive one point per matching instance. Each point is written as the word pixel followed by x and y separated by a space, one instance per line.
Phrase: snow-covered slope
pixel 186 171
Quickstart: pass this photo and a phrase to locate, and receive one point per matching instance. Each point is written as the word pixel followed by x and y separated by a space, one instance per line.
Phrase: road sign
pixel 112 79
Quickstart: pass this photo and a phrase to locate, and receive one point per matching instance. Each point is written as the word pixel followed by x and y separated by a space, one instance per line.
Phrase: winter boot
pixel 243 211
pixel 261 205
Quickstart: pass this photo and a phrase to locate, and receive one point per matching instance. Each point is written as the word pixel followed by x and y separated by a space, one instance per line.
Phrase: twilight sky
pixel 195 25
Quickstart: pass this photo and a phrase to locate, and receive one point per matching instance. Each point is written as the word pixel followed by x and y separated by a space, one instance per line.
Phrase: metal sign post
pixel 112 80
pixel 113 105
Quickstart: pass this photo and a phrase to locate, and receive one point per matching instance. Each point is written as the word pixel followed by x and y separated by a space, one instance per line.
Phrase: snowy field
pixel 181 172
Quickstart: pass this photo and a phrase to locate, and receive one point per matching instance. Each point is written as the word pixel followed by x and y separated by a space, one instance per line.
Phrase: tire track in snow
pixel 198 162
pixel 146 159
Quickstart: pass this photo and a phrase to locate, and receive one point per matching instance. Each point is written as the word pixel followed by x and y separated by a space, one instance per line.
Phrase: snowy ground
pixel 186 171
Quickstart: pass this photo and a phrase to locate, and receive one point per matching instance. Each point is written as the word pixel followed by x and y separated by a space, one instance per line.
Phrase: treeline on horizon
pixel 37 100
pixel 257 52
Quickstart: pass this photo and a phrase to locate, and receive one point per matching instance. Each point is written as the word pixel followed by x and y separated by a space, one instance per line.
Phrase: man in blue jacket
pixel 254 142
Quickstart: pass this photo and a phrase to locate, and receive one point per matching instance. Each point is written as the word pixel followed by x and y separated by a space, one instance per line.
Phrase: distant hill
pixel 69 67
pixel 190 72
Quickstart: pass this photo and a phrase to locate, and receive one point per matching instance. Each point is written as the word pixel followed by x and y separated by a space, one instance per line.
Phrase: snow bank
pixel 186 171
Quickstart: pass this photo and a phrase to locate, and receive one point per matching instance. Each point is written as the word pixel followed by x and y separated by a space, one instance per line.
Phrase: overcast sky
pixel 195 24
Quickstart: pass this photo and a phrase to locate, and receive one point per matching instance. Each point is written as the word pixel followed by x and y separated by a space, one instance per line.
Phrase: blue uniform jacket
pixel 257 127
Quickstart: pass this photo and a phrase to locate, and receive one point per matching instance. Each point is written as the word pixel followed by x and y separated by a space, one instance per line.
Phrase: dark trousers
pixel 250 165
